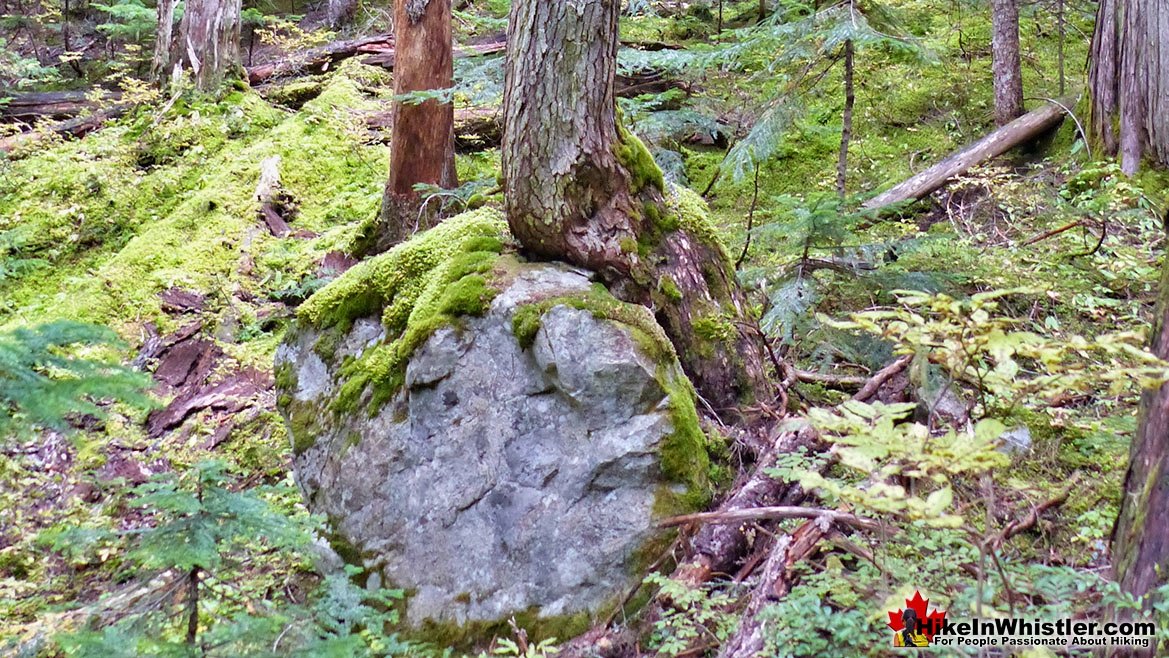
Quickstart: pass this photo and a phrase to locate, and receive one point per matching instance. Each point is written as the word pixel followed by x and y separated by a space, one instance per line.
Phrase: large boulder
pixel 495 437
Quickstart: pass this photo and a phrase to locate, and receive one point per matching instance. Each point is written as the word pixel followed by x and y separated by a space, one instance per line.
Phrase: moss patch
pixel 632 153
pixel 418 287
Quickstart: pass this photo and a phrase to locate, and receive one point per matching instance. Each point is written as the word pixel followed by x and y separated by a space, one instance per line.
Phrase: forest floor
pixel 149 226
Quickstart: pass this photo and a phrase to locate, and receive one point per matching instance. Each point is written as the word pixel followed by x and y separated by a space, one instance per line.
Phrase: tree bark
pixel 207 42
pixel 1140 540
pixel 1128 81
pixel 422 146
pixel 846 120
pixel 340 12
pixel 164 41
pixel 580 188
pixel 1006 63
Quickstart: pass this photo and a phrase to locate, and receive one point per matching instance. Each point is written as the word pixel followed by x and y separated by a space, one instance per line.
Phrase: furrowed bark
pixel 581 189
pixel 1140 540
pixel 1128 81
pixel 207 42
pixel 846 120
pixel 1006 65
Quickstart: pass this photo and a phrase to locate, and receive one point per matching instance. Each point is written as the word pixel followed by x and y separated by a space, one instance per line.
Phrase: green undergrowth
pixel 107 222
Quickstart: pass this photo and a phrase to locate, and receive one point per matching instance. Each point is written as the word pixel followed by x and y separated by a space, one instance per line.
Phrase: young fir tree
pixel 43 383
pixel 206 535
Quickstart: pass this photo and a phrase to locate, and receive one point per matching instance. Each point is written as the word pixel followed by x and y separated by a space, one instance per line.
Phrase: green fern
pixel 44 381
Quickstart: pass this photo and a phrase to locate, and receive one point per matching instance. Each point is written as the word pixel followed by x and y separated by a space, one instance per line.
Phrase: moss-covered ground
pixel 95 229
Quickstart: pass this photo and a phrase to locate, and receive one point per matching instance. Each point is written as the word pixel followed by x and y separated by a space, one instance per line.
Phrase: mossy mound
pixel 417 287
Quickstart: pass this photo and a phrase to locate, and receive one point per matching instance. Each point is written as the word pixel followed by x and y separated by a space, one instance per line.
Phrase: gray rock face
pixel 499 479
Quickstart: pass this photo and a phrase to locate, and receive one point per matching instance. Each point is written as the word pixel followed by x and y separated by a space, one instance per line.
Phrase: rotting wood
pixel 1020 131
pixel 379 50
pixel 275 203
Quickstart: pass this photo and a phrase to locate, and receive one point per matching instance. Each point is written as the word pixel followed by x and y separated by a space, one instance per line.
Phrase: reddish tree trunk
pixel 1128 81
pixel 422 146
pixel 1006 64
pixel 582 189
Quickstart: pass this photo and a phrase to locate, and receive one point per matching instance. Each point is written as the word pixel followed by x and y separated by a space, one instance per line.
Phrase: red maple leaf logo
pixel 931 621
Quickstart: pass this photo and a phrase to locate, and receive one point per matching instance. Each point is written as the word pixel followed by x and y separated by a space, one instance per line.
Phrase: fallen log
pixel 51 105
pixel 380 51
pixel 475 127
pixel 718 548
pixel 76 127
pixel 749 640
pixel 316 60
pixel 771 513
pixel 275 203
pixel 1020 131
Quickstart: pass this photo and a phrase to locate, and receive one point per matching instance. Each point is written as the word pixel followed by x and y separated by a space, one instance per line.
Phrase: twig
pixel 750 219
pixel 1052 232
pixel 776 512
pixel 1027 522
pixel 881 377
pixel 828 379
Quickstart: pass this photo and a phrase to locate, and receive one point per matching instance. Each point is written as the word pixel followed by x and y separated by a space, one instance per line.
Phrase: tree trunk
pixel 207 43
pixel 163 44
pixel 422 145
pixel 846 122
pixel 340 12
pixel 1006 65
pixel 580 188
pixel 1140 540
pixel 1128 81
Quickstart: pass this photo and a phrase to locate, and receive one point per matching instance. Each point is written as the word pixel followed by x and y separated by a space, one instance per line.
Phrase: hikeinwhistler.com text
pixel 1044 633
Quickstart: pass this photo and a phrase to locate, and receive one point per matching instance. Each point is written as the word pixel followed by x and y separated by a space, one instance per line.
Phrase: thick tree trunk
pixel 1006 65
pixel 1128 81
pixel 1140 540
pixel 582 189
pixel 207 42
pixel 422 146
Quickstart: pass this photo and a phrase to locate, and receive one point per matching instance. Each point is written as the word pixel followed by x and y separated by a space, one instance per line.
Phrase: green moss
pixel 638 161
pixel 303 425
pixel 418 287
pixel 715 328
pixel 475 634
pixel 603 305
pixel 670 288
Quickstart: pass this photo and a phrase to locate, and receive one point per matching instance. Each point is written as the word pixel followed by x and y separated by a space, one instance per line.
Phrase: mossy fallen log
pixel 1020 131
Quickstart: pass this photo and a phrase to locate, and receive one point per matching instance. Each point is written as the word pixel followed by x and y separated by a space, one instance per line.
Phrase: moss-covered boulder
pixel 498 438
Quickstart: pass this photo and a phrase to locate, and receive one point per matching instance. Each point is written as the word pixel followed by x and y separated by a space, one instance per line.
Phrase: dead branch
pixel 772 512
pixel 1020 131
pixel 876 381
